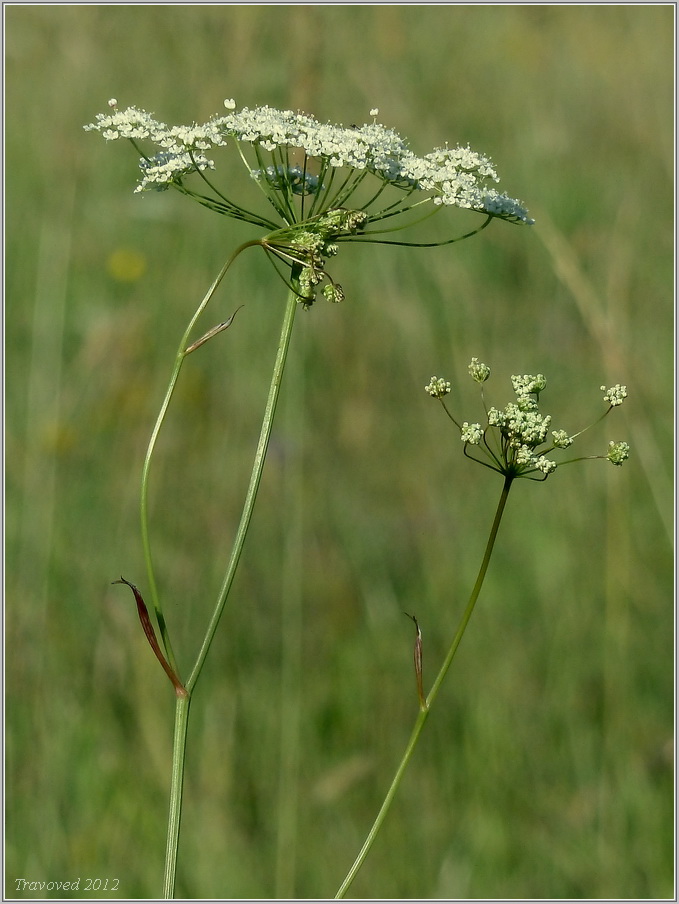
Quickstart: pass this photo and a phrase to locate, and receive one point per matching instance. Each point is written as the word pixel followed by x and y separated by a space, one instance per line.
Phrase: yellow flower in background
pixel 126 265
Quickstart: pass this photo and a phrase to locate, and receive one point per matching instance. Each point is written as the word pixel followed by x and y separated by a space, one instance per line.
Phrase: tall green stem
pixel 292 659
pixel 255 477
pixel 182 707
pixel 181 724
pixel 424 713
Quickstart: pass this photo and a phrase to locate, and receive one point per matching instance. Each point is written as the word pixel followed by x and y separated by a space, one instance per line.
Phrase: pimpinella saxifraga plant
pixel 516 442
pixel 323 185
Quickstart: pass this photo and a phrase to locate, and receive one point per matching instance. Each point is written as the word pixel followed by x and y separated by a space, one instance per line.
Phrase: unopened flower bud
pixel 615 395
pixel 478 372
pixel 617 453
pixel 437 387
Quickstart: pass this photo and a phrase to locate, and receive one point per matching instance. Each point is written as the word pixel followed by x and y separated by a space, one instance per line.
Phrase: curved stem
pixel 424 713
pixel 255 477
pixel 361 240
pixel 179 360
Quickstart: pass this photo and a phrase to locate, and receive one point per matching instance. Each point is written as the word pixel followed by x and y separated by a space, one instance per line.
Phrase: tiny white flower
pixel 561 439
pixel 526 403
pixel 496 418
pixel 113 102
pixel 478 372
pixel 528 384
pixel 545 465
pixel 617 453
pixel 471 433
pixel 230 103
pixel 161 170
pixel 616 395
pixel 374 111
pixel 437 387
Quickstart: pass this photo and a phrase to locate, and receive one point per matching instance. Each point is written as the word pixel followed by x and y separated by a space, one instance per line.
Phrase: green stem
pixel 424 713
pixel 179 360
pixel 182 708
pixel 255 477
pixel 181 724
pixel 287 835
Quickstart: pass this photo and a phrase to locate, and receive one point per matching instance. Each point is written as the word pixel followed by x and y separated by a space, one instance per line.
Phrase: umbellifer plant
pixel 323 185
pixel 516 442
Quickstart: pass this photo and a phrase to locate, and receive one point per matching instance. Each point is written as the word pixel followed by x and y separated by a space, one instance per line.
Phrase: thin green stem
pixel 179 360
pixel 364 237
pixel 182 708
pixel 255 477
pixel 181 724
pixel 424 713
pixel 475 592
pixel 292 660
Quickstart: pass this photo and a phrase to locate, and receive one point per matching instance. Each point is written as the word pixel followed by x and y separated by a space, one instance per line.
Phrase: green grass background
pixel 546 768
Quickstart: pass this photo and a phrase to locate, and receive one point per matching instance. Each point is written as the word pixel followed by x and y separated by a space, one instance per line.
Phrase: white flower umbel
pixel 437 387
pixel 478 372
pixel 617 453
pixel 450 176
pixel 616 395
pixel 307 169
pixel 471 433
pixel 515 441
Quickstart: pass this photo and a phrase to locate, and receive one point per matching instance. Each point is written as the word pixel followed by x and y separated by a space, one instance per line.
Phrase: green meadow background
pixel 546 767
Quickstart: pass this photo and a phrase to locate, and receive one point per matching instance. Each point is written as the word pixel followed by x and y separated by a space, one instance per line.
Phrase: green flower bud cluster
pixel 617 453
pixel 478 372
pixel 309 244
pixel 288 179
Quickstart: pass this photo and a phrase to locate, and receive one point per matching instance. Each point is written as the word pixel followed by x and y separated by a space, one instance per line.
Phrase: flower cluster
pixel 517 438
pixel 437 387
pixel 306 246
pixel 160 170
pixel 617 453
pixel 616 395
pixel 326 183
pixel 457 176
pixel 478 372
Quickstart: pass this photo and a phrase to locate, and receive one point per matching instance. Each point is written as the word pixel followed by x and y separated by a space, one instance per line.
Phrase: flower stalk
pixel 253 486
pixel 181 727
pixel 425 707
pixel 183 701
